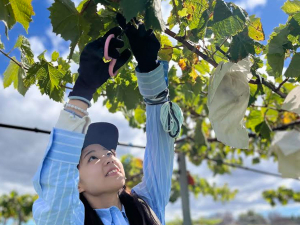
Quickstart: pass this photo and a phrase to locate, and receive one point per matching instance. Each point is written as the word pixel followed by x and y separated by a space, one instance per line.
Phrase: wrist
pixel 151 84
pixel 82 92
pixel 145 67
pixel 80 99
pixel 79 104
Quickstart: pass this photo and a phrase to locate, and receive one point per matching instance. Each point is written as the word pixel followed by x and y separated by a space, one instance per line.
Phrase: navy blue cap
pixel 102 133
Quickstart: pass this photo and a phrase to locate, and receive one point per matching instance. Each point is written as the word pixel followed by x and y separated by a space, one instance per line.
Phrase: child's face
pixel 95 162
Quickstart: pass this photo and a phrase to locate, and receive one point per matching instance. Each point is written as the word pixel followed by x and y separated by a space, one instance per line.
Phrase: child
pixel 80 180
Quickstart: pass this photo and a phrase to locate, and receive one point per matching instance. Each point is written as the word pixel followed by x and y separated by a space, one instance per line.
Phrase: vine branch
pixel 85 7
pixel 191 47
pixel 282 83
pixel 269 85
pixel 16 62
pixel 265 106
pixel 213 63
pixel 178 46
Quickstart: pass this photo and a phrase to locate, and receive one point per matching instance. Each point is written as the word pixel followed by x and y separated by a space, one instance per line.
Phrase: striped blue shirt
pixel 57 177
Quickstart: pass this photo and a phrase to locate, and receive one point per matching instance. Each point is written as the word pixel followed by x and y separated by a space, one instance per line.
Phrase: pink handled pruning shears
pixel 113 61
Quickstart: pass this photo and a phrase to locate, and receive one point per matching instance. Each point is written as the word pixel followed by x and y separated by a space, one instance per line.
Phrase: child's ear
pixel 80 189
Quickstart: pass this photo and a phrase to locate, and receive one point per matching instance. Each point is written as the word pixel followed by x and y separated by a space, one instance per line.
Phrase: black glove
pixel 144 45
pixel 93 72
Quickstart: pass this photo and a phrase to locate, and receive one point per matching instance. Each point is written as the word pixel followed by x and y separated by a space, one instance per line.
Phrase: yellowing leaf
pixel 255 29
pixel 288 117
pixel 137 163
pixel 193 74
pixel 182 64
pixel 196 12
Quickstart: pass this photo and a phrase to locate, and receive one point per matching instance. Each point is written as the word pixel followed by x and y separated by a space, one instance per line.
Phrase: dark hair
pixel 137 211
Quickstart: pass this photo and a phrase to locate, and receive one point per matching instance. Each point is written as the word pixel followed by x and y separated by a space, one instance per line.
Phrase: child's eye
pixel 110 153
pixel 92 157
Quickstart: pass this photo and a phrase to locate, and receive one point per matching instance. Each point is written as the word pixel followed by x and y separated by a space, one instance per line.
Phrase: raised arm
pixel 56 180
pixel 159 153
pixel 158 159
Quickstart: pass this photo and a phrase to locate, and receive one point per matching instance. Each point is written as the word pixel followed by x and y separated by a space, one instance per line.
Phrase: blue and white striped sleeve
pixel 56 179
pixel 155 187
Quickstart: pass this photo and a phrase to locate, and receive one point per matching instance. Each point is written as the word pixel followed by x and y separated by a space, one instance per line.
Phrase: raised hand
pixel 93 71
pixel 144 44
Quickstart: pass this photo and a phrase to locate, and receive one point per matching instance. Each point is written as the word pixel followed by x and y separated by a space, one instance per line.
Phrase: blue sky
pixel 35 110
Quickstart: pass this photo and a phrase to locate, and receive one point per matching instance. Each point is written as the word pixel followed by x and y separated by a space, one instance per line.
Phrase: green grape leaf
pixel 256 160
pixel 54 56
pixel 255 118
pixel 241 46
pixel 229 19
pixel 41 56
pixel 176 54
pixel 291 7
pixel 131 8
pixel 82 5
pixel 276 49
pixel 27 56
pixel 183 12
pixel 264 130
pixel 294 26
pixel 123 92
pixel 197 10
pixel 68 22
pixel 129 95
pixel 15 74
pixel 153 15
pixel 199 135
pixel 294 68
pixel 202 67
pixel 275 64
pixel 76 57
pixel 255 29
pixel 12 11
pixel 172 21
pixel 90 15
pixel 140 115
pixel 166 51
pixel 48 78
pixel 64 68
pixel 200 31
pixel 5 15
pixel 255 89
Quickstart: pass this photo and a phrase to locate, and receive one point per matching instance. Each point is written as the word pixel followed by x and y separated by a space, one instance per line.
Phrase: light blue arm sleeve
pixel 155 187
pixel 56 181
